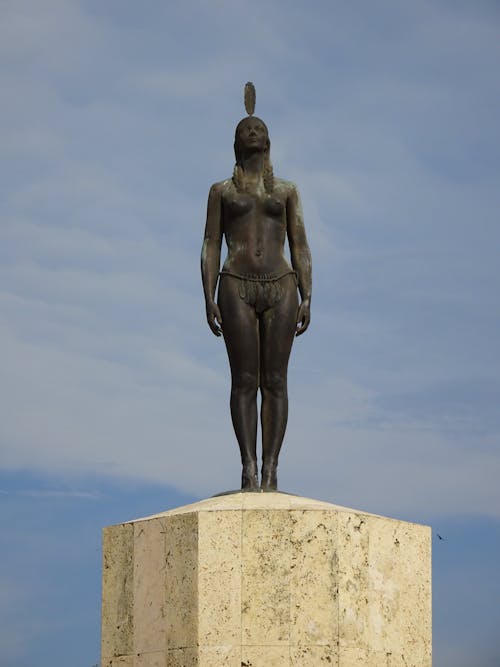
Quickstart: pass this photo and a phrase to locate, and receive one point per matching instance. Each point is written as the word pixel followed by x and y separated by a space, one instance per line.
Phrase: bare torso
pixel 255 228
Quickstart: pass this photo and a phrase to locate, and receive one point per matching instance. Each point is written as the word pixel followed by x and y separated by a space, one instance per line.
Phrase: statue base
pixel 266 580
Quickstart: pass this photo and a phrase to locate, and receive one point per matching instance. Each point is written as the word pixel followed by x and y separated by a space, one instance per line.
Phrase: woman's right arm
pixel 210 257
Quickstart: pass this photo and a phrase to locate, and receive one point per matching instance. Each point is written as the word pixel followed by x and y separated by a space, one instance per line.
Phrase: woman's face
pixel 251 135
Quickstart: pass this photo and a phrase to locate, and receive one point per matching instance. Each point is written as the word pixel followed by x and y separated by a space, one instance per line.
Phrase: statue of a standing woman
pixel 257 308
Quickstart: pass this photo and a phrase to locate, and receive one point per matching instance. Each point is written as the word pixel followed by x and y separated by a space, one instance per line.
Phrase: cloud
pixel 116 119
pixel 111 150
pixel 153 420
pixel 55 494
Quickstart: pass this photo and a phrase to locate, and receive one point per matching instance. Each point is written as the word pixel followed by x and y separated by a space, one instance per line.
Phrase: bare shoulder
pixel 287 188
pixel 221 187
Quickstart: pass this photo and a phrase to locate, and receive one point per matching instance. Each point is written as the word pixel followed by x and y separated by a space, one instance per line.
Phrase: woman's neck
pixel 253 165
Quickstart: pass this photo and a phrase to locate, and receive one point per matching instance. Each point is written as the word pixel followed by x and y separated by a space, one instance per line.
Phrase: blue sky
pixel 115 119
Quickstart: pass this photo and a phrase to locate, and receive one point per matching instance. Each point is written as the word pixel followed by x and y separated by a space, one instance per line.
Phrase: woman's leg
pixel 277 330
pixel 240 329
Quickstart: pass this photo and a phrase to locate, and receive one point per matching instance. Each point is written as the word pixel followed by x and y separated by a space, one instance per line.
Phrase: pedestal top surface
pixel 239 501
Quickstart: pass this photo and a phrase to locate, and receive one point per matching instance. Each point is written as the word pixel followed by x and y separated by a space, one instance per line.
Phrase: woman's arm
pixel 300 256
pixel 210 257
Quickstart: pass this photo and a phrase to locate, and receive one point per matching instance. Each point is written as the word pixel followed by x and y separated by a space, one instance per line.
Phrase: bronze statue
pixel 257 308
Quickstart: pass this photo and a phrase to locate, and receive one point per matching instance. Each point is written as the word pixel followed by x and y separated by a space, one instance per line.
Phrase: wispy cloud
pixel 110 366
pixel 115 122
pixel 55 494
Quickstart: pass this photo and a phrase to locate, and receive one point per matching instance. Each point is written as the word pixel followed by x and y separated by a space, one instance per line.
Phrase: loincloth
pixel 261 291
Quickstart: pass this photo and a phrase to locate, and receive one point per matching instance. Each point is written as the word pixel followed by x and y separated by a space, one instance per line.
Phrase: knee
pixel 245 383
pixel 274 383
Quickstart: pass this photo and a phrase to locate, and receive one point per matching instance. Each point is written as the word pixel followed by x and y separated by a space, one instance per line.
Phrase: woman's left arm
pixel 300 255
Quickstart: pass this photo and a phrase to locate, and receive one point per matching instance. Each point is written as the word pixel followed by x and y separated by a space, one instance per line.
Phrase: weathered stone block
pixel 263 580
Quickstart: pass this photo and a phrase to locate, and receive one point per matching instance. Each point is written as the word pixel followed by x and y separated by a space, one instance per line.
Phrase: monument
pixel 258 578
pixel 257 309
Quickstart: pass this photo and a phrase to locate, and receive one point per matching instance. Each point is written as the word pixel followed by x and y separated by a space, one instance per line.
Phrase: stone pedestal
pixel 266 580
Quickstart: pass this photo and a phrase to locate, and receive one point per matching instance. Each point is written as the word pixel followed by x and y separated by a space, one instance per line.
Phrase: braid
pixel 239 178
pixel 268 175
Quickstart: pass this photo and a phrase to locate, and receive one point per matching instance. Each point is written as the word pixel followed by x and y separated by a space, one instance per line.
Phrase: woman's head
pixel 251 136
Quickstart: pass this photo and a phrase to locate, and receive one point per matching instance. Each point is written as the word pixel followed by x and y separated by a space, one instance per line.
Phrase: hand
pixel 303 318
pixel 214 318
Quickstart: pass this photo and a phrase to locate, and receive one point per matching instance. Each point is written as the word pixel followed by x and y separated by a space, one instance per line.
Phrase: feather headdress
pixel 249 98
pixel 238 173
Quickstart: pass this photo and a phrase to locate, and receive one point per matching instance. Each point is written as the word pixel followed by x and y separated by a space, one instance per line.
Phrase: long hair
pixel 239 172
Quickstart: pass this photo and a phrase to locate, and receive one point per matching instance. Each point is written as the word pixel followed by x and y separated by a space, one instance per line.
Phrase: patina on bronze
pixel 257 308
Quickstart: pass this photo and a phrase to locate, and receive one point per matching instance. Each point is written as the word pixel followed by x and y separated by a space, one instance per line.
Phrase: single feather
pixel 249 98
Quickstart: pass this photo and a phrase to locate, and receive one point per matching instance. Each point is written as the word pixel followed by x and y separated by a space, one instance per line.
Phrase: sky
pixel 116 118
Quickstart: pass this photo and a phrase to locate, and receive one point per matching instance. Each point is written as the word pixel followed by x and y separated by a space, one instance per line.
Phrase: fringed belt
pixel 261 291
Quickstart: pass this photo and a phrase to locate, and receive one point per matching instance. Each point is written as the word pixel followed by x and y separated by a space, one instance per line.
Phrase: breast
pixel 273 206
pixel 238 205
